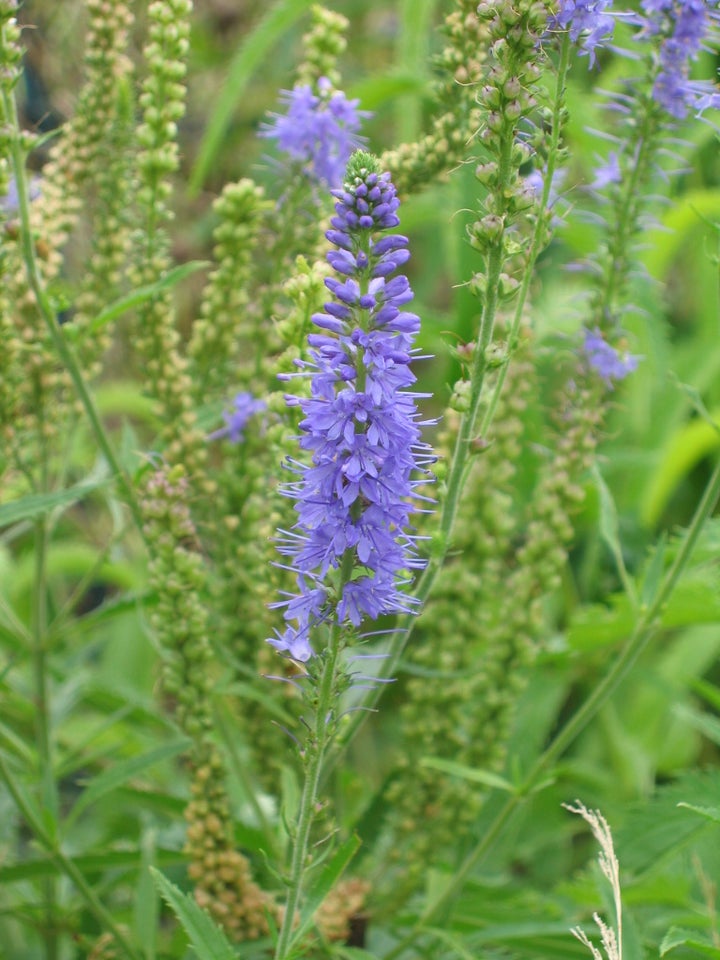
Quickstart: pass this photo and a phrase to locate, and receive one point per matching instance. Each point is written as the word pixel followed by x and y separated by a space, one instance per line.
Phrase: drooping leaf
pixel 119 773
pixel 678 937
pixel 472 774
pixel 36 504
pixel 142 295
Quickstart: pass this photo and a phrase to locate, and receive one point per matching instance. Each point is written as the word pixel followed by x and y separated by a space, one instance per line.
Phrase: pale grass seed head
pixel 610 938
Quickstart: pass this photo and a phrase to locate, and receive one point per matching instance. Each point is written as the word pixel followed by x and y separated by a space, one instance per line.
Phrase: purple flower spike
pixel 319 130
pixel 684 27
pixel 587 21
pixel 351 547
pixel 236 420
pixel 606 360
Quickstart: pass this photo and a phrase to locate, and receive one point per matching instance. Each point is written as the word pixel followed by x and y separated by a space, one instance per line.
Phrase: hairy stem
pixel 316 747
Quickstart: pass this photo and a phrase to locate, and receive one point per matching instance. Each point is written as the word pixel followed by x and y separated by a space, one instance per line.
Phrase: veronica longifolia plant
pixel 351 547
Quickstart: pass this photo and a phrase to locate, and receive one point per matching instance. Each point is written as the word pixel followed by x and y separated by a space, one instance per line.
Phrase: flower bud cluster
pixel 84 148
pixel 222 877
pixel 451 709
pixel 462 62
pixel 43 389
pixel 220 339
pixel 323 45
pixel 508 98
pixel 156 336
pixel 163 98
pixel 11 370
pixel 10 57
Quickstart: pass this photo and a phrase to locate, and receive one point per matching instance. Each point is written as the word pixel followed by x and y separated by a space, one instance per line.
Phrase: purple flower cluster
pixel 350 548
pixel 609 363
pixel 245 406
pixel 684 25
pixel 587 22
pixel 319 130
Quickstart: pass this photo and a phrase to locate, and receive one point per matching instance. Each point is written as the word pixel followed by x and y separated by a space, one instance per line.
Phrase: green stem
pixel 65 864
pixel 539 233
pixel 63 349
pixel 48 788
pixel 316 748
pixel 641 636
pixel 461 456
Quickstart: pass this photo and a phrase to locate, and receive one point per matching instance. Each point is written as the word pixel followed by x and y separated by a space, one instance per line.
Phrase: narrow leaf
pixel 331 872
pixel 206 938
pixel 141 295
pixel 120 773
pixel 610 530
pixel 36 504
pixel 468 773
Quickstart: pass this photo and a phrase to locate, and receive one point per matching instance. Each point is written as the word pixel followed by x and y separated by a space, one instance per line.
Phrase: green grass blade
pixel 254 51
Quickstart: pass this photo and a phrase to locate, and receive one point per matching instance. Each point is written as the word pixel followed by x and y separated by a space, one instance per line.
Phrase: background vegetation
pixel 94 742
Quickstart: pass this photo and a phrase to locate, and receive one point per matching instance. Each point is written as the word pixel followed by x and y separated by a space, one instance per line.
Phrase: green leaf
pixel 15 744
pixel 255 50
pixel 710 813
pixel 487 777
pixel 654 572
pixel 683 451
pixel 88 864
pixel 330 873
pixel 37 504
pixel 206 938
pixel 140 296
pixel 659 827
pixel 610 530
pixel 678 937
pixel 120 773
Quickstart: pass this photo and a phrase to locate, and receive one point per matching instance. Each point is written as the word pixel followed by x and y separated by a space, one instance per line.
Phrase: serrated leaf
pixel 206 938
pixel 678 937
pixel 487 777
pixel 659 827
pixel 710 813
pixel 36 504
pixel 141 295
pixel 120 773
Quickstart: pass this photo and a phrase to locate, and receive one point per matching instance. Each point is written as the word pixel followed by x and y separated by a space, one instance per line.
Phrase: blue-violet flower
pixel 684 26
pixel 319 130
pixel 245 406
pixel 351 547
pixel 587 21
pixel 608 362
